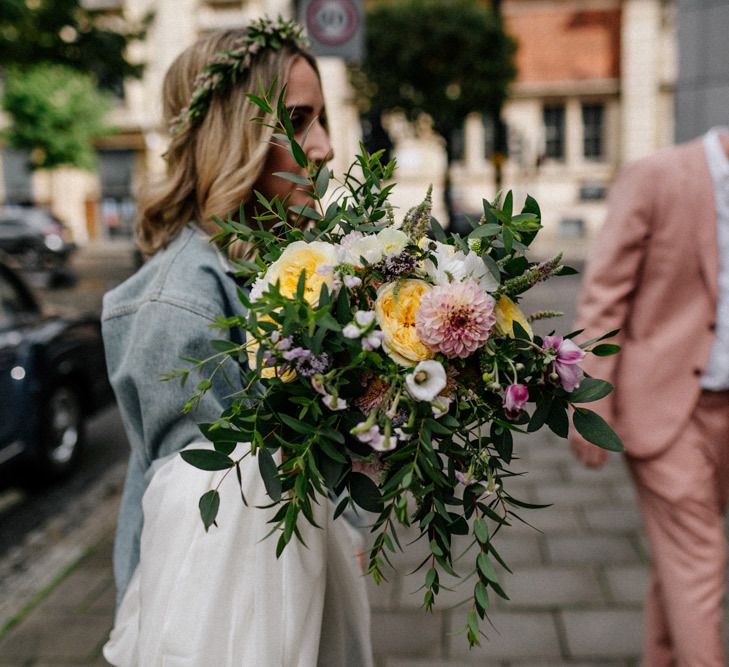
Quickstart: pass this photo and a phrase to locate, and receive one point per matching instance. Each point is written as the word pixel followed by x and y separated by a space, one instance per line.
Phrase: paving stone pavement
pixel 576 591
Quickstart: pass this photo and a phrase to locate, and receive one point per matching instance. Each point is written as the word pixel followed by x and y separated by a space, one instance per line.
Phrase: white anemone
pixel 426 381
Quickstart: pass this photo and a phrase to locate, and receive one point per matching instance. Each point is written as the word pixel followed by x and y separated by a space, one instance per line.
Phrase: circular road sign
pixel 332 22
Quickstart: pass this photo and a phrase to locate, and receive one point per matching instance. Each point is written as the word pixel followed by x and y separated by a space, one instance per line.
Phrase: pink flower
pixel 568 356
pixel 455 319
pixel 515 396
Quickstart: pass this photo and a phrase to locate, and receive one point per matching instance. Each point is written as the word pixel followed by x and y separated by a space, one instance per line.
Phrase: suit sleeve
pixel 614 269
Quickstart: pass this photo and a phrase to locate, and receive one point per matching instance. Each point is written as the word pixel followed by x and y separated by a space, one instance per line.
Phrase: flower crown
pixel 227 66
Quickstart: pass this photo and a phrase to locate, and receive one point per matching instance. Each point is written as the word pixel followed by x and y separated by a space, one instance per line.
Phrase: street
pixel 575 593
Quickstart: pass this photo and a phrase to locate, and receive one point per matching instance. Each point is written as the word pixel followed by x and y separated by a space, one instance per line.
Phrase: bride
pixel 187 597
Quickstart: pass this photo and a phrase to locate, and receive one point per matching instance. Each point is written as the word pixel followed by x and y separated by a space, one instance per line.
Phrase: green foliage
pixel 56 113
pixel 444 59
pixel 445 472
pixel 66 33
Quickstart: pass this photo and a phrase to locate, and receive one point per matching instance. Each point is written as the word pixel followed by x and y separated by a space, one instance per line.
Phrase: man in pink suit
pixel 660 273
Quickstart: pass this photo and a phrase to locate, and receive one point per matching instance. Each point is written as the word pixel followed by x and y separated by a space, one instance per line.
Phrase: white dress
pixel 222 598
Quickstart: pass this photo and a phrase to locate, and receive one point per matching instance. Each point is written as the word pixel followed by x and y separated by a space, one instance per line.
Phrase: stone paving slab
pixel 612 633
pixel 590 549
pixel 627 584
pixel 512 635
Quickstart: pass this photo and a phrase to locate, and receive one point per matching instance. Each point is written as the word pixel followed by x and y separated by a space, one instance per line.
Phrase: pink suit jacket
pixel 653 274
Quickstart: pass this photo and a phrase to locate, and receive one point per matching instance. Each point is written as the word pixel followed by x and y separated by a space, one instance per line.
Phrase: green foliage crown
pixel 228 66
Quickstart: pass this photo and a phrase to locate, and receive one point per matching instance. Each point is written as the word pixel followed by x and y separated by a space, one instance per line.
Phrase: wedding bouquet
pixel 390 364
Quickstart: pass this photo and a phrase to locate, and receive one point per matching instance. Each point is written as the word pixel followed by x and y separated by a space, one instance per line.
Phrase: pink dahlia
pixel 456 318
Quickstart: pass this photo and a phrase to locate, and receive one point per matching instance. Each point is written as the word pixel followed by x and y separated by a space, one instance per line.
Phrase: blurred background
pixel 543 97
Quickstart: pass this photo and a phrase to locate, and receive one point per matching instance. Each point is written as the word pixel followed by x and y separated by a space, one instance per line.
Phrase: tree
pixel 65 32
pixel 443 59
pixel 55 113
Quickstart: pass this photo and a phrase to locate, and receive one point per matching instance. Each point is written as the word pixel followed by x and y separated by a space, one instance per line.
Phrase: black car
pixel 35 237
pixel 52 377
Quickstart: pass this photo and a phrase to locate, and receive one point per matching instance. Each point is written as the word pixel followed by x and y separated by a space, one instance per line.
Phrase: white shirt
pixel 716 374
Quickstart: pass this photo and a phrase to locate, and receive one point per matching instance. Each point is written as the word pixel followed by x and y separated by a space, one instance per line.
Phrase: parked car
pixel 52 378
pixel 35 237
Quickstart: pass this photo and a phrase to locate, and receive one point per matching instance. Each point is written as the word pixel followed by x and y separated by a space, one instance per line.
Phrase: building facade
pixel 101 205
pixel 595 88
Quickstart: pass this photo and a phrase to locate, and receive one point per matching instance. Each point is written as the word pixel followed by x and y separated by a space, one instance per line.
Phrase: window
pixel 592 131
pixel 553 115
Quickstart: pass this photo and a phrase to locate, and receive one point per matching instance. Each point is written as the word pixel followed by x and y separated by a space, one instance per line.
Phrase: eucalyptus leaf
pixel 364 492
pixel 269 472
pixel 590 389
pixel 605 349
pixel 294 178
pixel 593 428
pixel 207 459
pixel 209 505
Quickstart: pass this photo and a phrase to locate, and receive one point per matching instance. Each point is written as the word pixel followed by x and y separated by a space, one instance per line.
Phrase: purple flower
pixel 565 365
pixel 466 479
pixel 296 353
pixel 374 438
pixel 515 396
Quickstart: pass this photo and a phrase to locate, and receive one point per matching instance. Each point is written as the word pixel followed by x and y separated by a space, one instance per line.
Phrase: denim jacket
pixel 160 314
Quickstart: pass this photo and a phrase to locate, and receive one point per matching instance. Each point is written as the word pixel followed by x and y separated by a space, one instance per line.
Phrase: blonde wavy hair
pixel 212 165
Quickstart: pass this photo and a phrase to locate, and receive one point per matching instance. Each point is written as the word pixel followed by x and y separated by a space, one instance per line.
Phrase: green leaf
pixel 364 492
pixel 438 232
pixel 508 206
pixel 209 505
pixel 300 427
pixel 592 427
pixel 487 230
pixel 322 182
pixel 207 459
pixel 305 211
pixel 557 418
pixel 508 239
pixel 590 389
pixel 539 417
pixel 481 530
pixel 294 178
pixel 492 266
pixel 481 595
pixel 269 473
pixel 605 350
pixel 472 621
pixel 503 441
pixel 531 206
pixel 483 562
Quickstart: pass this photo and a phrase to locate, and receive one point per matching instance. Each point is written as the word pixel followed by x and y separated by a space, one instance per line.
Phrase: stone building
pixel 595 88
pixel 100 205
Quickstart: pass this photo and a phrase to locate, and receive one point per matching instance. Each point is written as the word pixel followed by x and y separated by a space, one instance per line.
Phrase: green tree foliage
pixel 56 112
pixel 65 32
pixel 444 59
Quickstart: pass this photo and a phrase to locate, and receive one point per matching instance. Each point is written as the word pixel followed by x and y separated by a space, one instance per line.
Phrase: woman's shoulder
pixel 190 273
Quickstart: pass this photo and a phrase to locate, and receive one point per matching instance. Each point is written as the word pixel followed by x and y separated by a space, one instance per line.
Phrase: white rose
pixel 392 241
pixel 456 266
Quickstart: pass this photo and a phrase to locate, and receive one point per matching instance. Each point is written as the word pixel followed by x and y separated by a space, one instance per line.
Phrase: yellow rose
pixel 267 372
pixel 507 312
pixel 301 257
pixel 395 309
